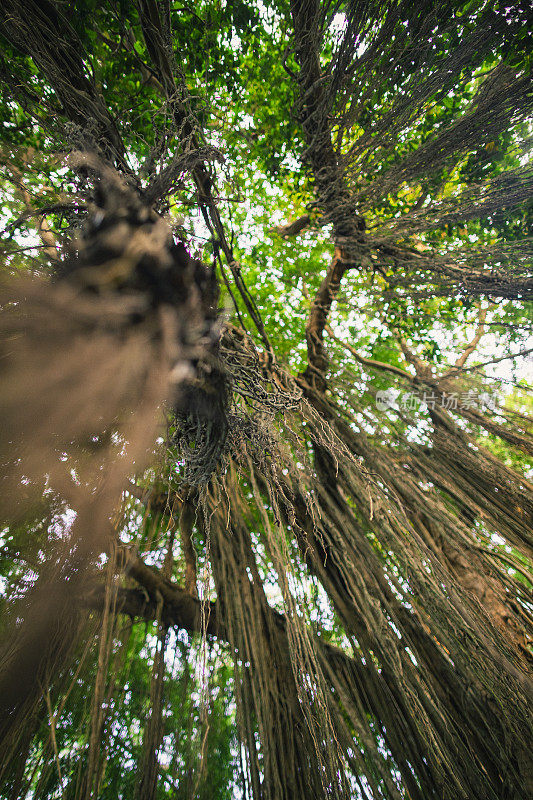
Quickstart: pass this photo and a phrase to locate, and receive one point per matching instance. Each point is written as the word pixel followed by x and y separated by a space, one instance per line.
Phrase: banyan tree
pixel 265 445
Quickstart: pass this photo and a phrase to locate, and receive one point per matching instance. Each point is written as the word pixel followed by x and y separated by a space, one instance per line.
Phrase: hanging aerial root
pixel 88 362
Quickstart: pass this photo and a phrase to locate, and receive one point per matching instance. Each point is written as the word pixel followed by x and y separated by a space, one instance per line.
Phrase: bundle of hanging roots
pixel 88 361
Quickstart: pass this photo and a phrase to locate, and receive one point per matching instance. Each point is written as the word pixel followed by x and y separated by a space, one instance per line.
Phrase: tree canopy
pixel 266 448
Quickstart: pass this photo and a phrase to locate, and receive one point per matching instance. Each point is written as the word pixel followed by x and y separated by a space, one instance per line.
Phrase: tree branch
pixel 293 228
pixel 422 368
pixel 333 195
pixel 138 604
pixel 46 234
pixel 471 346
pixel 181 608
pixel 370 362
